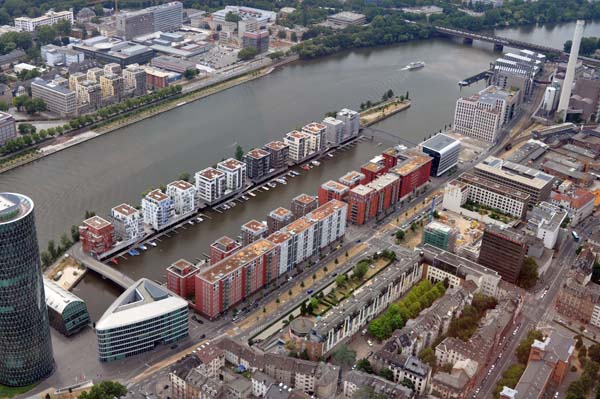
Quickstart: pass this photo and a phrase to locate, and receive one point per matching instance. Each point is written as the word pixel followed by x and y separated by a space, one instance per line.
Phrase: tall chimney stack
pixel 565 94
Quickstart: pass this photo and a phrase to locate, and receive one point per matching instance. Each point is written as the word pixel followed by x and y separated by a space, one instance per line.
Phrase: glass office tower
pixel 25 346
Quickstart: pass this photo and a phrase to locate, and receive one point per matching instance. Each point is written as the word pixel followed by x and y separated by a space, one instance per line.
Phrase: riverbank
pixel 144 113
pixel 382 111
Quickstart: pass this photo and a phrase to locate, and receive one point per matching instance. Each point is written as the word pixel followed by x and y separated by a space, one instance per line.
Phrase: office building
pixel 303 204
pixel 222 248
pixel 579 204
pixel 58 99
pixel 8 128
pixel 112 86
pixel 235 174
pixel 299 145
pixel 157 209
pixel 440 235
pixel 134 79
pixel 50 18
pixel 258 40
pixel 413 168
pixel 351 121
pixel 144 316
pixel 180 278
pixel 279 153
pixel 332 190
pixel 166 17
pixel 545 221
pixel 346 18
pixel 352 179
pixel 479 116
pixel 183 195
pixel 503 250
pixel 210 185
pixel 67 312
pixel 88 94
pixel 258 164
pixel 113 50
pixel 24 327
pixel 466 194
pixel 278 219
pixel 444 151
pixel 96 235
pixel 522 178
pixel 334 130
pixel 128 222
pixel 55 55
pixel 253 230
pixel 317 136
pixel 262 17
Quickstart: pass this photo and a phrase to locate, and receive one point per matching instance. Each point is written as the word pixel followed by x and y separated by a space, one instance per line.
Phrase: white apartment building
pixel 50 18
pixel 330 222
pixel 210 185
pixel 235 173
pixel 283 240
pixel 157 208
pixel 351 121
pixel 482 191
pixel 128 222
pixel 579 204
pixel 302 243
pixel 317 136
pixel 183 195
pixel 545 220
pixel 299 145
pixel 334 130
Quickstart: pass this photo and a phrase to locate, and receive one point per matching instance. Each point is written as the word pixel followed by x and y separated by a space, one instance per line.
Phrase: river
pixel 117 167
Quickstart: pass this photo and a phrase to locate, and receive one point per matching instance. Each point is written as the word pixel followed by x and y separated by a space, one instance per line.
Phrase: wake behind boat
pixel 415 65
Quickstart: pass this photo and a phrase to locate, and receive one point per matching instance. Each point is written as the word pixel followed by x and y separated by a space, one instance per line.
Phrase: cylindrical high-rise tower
pixel 25 345
pixel 565 95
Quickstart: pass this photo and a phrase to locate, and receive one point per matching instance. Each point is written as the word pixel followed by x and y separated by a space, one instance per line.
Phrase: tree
pixel 20 101
pixel 247 53
pixel 428 356
pixel 65 242
pixel 294 37
pixel 232 17
pixel 344 357
pixel 390 93
pixel 105 390
pixel 35 106
pixel 3 106
pixel 46 34
pixel 340 280
pixel 387 374
pixel 400 235
pixel 594 352
pixel 281 34
pixel 185 176
pixel 74 233
pixel 190 73
pixel 364 365
pixel 528 275
pixel 239 152
pixel 360 270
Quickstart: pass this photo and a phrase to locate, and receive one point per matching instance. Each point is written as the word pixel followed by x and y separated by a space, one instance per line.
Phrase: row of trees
pixel 29 105
pixel 528 276
pixel 130 104
pixel 588 46
pixel 420 297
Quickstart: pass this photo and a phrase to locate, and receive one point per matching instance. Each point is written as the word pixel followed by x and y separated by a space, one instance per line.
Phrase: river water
pixel 117 167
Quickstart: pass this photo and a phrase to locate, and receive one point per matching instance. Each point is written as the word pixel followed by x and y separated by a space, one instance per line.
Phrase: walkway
pixel 103 270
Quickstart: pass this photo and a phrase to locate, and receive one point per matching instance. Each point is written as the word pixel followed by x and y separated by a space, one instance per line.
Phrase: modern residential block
pixel 332 190
pixel 253 230
pixel 157 209
pixel 222 248
pixel 351 121
pixel 180 278
pixel 183 195
pixel 235 173
pixel 210 185
pixel 317 136
pixel 258 163
pixel 279 218
pixel 128 222
pixel 299 145
pixel 280 154
pixel 96 235
pixel 334 130
pixel 303 204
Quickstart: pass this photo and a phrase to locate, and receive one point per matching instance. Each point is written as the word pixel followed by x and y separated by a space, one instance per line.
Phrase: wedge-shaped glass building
pixel 144 316
pixel 25 346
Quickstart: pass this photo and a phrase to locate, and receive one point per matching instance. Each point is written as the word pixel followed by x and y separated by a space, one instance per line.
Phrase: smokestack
pixel 565 94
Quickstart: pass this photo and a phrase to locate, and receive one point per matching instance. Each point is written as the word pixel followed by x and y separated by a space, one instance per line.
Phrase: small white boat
pixel 291 174
pixel 295 173
pixel 245 198
pixel 265 188
pixel 281 181
pixel 272 184
pixel 143 247
pixel 231 204
pixel 191 222
pixel 153 243
pixel 316 163
pixel 252 194
pixel 330 155
pixel 199 220
pixel 225 206
pixel 415 65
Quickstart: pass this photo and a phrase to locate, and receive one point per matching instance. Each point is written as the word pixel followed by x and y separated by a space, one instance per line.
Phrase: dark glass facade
pixel 25 345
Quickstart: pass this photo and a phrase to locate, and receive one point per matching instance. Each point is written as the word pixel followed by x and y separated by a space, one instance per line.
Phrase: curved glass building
pixel 25 346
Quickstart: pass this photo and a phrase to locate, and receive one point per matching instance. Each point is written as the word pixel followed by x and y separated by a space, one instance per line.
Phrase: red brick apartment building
pixel 180 278
pixel 96 235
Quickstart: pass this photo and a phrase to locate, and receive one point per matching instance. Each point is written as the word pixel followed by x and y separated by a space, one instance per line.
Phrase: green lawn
pixel 9 392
